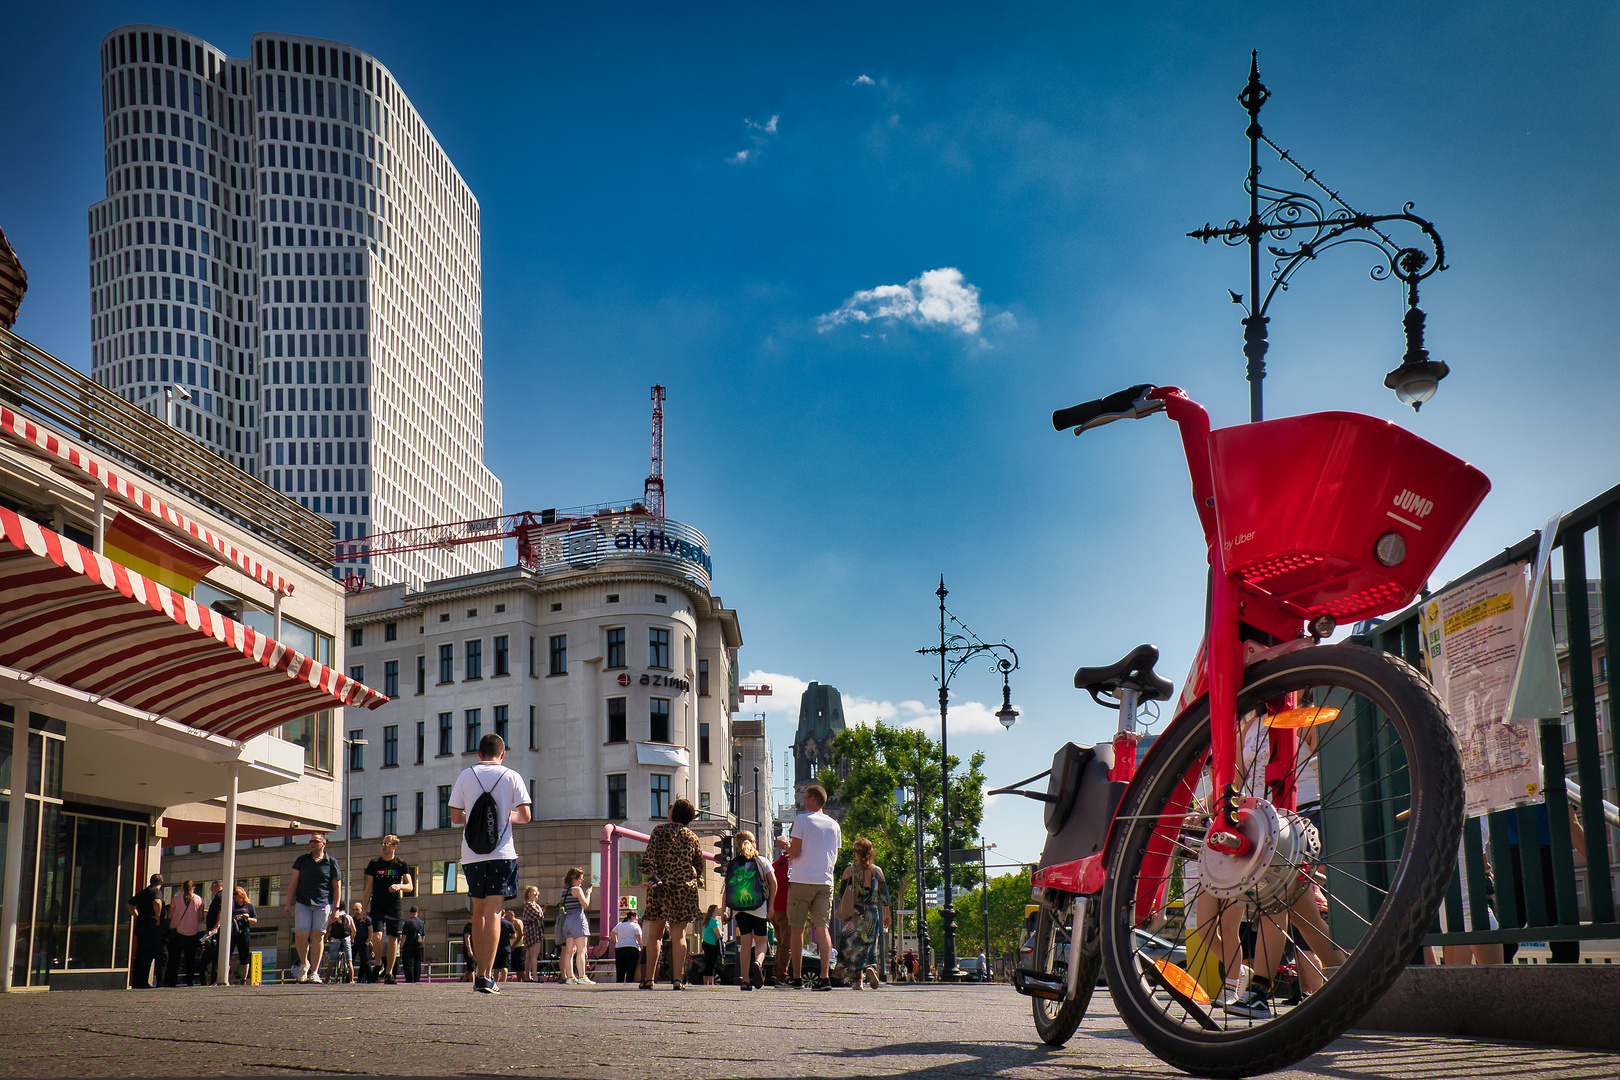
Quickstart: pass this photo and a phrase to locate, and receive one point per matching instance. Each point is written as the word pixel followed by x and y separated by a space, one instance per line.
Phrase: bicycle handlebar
pixel 1128 404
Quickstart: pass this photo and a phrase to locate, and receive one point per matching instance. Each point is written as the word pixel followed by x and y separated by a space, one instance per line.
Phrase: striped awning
pixel 84 621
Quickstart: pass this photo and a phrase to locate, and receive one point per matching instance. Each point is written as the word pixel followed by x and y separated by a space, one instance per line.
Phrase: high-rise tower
pixel 284 241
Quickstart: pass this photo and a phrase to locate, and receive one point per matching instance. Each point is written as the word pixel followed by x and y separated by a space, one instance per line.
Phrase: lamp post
pixel 923 970
pixel 984 898
pixel 953 651
pixel 1278 214
pixel 172 393
pixel 348 824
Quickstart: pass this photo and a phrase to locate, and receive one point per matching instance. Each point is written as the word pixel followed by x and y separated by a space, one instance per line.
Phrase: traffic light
pixel 725 850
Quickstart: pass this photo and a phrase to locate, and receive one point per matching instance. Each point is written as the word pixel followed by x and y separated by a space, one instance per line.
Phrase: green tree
pixel 884 777
pixel 1009 893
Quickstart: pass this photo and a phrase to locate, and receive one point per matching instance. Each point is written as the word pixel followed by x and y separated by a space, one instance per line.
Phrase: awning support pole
pixel 227 894
pixel 101 519
pixel 16 815
pixel 275 630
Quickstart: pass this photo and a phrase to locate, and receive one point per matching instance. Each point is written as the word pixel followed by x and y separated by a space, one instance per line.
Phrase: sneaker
pixel 314 977
pixel 389 980
pixel 823 984
pixel 788 984
pixel 872 977
pixel 1252 1005
pixel 485 986
pixel 745 987
pixel 1236 986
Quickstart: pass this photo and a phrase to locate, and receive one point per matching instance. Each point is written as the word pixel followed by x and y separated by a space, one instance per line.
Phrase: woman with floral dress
pixel 673 868
pixel 863 935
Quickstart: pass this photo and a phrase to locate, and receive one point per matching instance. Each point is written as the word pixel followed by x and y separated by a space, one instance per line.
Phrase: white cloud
pixel 764 133
pixel 783 706
pixel 768 127
pixel 740 157
pixel 864 80
pixel 938 298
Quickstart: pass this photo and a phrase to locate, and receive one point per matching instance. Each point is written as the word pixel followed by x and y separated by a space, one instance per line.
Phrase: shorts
pixel 385 926
pixel 753 925
pixel 574 926
pixel 809 903
pixel 492 877
pixel 311 917
pixel 341 948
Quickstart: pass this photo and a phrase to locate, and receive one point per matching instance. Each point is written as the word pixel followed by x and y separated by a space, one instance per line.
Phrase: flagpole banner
pixel 1472 636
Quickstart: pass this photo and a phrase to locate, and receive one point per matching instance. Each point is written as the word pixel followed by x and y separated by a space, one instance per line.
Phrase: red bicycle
pixel 1301 810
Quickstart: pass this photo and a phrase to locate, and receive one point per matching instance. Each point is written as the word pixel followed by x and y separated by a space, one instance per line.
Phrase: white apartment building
pixel 284 241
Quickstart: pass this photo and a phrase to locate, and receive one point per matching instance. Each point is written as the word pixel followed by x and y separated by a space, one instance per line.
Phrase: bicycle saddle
pixel 1134 670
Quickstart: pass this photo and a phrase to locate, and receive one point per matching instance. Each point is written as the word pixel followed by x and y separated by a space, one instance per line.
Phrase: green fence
pixel 1537 894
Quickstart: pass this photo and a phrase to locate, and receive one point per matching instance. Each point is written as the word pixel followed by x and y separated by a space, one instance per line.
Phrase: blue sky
pixel 712 196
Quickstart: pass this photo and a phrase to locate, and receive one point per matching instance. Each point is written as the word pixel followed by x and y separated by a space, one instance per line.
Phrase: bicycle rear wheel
pixel 1358 882
pixel 1056 1021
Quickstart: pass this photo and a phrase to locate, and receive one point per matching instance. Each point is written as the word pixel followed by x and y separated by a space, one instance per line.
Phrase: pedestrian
pixel 340 934
pixel 362 943
pixel 470 972
pixel 534 931
pixel 750 892
pixel 779 919
pixel 316 887
pixel 576 930
pixel 387 879
pixel 626 946
pixel 185 931
pixel 244 917
pixel 673 868
pixel 812 845
pixel 520 948
pixel 491 874
pixel 505 932
pixel 412 932
pixel 863 940
pixel 713 937
pixel 146 909
pixel 209 944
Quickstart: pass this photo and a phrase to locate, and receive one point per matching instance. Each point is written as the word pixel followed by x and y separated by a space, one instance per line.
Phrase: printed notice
pixel 1471 639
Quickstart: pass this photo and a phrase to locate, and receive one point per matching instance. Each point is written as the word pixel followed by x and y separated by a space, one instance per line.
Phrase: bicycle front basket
pixel 1336 513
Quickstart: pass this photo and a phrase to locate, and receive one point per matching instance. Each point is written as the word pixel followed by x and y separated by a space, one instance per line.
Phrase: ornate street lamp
pixel 1306 222
pixel 953 651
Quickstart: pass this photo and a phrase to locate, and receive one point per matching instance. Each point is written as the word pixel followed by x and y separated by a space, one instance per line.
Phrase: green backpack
pixel 744 890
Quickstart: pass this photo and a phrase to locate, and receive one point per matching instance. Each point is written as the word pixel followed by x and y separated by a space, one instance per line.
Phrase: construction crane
pixel 756 692
pixel 655 480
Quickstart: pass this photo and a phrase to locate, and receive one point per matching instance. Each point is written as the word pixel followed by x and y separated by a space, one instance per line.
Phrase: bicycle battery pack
pixel 1081 805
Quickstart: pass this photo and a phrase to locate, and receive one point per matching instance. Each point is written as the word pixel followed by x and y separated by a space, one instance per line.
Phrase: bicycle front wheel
pixel 1195 942
pixel 1056 1020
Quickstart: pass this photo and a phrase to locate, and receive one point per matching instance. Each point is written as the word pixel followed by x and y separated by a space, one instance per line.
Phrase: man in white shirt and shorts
pixel 492 879
pixel 812 845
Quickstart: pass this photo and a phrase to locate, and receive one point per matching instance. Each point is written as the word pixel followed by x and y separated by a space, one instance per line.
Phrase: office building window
pixel 390 751
pixel 615 648
pixel 475 659
pixel 533 674
pixel 358 673
pixel 356 808
pixel 703 743
pixel 531 727
pixel 446 730
pixel 419 811
pixel 390 631
pixel 559 654
pixel 703 678
pixel 502 656
pixel 447 664
pixel 658 727
pixel 421 674
pixel 658 808
pixel 391 678
pixel 357 751
pixel 703 805
pixel 658 648
pixel 618 807
pixel 500 722
pixel 421 741
pixel 390 823
pixel 357 637
pixel 617 728
pixel 475 725
pixel 444 806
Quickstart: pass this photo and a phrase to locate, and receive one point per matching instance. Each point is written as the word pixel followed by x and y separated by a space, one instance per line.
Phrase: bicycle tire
pixel 1420 857
pixel 1056 1021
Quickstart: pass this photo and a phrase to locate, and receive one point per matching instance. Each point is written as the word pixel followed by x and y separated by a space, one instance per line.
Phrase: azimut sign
pixel 660 542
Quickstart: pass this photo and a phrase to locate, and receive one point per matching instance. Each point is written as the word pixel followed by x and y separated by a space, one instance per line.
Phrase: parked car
pixel 971 969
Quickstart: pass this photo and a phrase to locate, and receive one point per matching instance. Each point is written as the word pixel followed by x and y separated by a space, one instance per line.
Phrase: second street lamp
pixel 953 651
pixel 1307 222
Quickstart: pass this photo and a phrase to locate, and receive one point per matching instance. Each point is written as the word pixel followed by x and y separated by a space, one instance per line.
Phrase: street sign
pixel 967 855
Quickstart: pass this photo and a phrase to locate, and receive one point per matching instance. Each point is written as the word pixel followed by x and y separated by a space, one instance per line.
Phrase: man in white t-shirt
pixel 492 879
pixel 812 845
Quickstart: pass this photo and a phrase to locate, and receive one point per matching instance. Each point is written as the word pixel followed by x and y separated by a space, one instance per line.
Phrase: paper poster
pixel 1472 636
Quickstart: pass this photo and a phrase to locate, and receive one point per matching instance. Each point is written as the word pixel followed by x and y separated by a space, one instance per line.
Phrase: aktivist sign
pixel 663 543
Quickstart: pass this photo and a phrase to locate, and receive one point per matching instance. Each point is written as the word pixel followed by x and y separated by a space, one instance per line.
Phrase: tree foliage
pixel 1009 893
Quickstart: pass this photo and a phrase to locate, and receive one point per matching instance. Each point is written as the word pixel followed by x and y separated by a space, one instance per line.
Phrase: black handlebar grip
pixel 1086 411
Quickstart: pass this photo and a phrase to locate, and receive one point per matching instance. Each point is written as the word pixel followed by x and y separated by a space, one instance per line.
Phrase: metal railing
pixel 36 383
pixel 1537 896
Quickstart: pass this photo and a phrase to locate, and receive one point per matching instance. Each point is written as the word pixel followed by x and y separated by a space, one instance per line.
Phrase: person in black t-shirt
pixel 503 950
pixel 362 944
pixel 467 952
pixel 339 932
pixel 147 908
pixel 387 879
pixel 413 931
pixel 316 888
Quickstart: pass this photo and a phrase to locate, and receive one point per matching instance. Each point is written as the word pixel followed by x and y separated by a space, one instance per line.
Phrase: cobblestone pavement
pixel 609 1032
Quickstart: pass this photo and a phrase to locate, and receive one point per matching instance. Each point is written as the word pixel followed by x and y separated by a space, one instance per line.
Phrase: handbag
pixel 846 902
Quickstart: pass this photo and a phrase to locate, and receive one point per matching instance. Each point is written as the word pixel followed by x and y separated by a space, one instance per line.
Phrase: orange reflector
pixel 1302 718
pixel 1183 983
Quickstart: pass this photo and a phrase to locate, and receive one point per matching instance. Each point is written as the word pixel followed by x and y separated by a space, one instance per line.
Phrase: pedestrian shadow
pixel 1367 1055
pixel 990 1057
